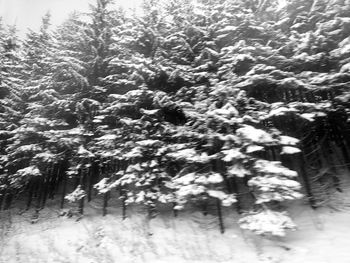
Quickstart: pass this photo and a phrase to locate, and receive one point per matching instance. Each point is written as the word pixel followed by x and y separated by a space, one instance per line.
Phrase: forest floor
pixel 322 237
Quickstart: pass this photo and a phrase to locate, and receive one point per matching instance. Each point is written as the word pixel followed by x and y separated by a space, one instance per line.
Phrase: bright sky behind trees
pixel 28 13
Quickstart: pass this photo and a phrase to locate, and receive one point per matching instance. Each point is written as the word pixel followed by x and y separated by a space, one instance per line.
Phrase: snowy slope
pixel 192 237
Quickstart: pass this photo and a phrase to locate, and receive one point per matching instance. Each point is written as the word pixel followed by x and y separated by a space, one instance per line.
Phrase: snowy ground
pixel 323 237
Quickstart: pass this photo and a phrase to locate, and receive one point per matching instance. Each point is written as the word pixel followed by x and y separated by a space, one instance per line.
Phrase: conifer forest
pixel 206 105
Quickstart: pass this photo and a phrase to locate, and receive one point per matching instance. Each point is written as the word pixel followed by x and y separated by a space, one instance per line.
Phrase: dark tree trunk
pixel 81 205
pixel 2 195
pixel 40 193
pixel 328 155
pixel 175 212
pixel 45 192
pixel 82 184
pixel 221 222
pixel 30 195
pixel 123 198
pixel 90 184
pixel 64 189
pixel 345 153
pixel 238 197
pixel 8 201
pixel 54 181
pixel 106 197
pixel 306 181
pixel 205 207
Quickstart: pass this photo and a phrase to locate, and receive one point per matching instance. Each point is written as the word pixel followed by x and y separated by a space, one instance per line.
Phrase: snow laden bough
pixel 194 185
pixel 267 222
pixel 271 183
pixel 191 164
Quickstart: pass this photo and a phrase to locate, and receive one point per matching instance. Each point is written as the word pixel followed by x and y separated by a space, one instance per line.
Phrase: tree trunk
pixel 40 193
pixel 106 197
pixel 221 222
pixel 345 154
pixel 2 195
pixel 54 181
pixel 82 184
pixel 45 192
pixel 64 189
pixel 175 210
pixel 328 155
pixel 8 201
pixel 238 197
pixel 123 198
pixel 81 205
pixel 30 196
pixel 306 181
pixel 90 184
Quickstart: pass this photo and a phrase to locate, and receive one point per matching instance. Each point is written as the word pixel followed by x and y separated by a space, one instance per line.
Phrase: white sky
pixel 28 13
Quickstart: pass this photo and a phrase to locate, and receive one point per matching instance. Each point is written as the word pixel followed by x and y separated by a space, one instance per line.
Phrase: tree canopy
pixel 191 103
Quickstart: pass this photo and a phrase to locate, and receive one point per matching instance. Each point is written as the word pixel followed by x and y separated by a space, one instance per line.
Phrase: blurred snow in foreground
pixel 322 237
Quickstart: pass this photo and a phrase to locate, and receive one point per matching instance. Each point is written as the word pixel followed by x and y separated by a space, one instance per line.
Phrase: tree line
pixel 189 103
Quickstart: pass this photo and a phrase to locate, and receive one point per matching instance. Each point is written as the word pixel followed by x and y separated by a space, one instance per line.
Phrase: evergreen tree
pixel 190 104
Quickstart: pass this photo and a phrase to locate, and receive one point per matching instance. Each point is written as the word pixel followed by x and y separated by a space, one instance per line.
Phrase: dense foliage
pixel 202 103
